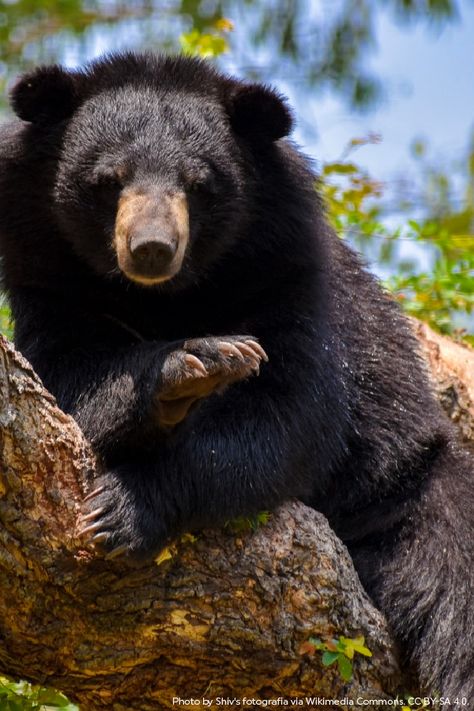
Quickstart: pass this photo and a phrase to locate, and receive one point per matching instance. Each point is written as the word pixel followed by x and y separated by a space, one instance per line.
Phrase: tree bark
pixel 452 369
pixel 225 616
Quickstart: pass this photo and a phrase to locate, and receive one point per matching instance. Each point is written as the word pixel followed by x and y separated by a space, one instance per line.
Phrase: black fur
pixel 48 95
pixel 342 415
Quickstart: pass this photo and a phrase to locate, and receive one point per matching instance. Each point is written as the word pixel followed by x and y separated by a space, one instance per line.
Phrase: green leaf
pixel 360 649
pixel 339 168
pixel 241 524
pixel 350 646
pixel 203 45
pixel 50 697
pixel 414 225
pixel 329 658
pixel 6 323
pixel 345 667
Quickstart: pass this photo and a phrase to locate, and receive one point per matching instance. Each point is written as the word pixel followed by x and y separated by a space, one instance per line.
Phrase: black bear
pixel 162 243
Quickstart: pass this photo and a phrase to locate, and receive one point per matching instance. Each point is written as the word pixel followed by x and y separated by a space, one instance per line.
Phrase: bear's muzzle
pixel 151 234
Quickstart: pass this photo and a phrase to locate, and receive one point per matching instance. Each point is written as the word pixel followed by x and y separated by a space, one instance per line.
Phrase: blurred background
pixel 384 100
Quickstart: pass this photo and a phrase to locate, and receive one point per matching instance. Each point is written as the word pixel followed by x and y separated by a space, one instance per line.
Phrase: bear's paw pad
pixel 204 366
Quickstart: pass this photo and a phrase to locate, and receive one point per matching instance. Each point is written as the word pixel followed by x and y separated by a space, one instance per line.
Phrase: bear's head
pixel 156 162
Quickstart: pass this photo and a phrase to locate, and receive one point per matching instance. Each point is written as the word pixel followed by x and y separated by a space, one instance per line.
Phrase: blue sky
pixel 429 92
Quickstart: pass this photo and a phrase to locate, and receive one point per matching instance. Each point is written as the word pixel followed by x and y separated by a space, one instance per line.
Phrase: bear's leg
pixel 124 393
pixel 201 367
pixel 246 451
pixel 420 574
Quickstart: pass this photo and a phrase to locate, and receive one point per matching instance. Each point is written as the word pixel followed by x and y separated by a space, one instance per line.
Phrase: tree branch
pixel 225 616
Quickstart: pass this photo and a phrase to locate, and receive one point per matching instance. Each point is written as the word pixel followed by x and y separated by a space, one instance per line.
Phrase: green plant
pixel 241 524
pixel 339 651
pixel 439 293
pixel 6 324
pixel 22 696
pixel 207 44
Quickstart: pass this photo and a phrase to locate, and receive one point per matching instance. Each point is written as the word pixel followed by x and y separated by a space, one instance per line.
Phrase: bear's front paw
pixel 110 521
pixel 204 366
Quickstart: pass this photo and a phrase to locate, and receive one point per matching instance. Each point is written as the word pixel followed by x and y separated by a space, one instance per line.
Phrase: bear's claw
pixel 107 525
pixel 95 492
pixel 92 515
pixel 116 552
pixel 195 364
pixel 90 529
pixel 101 537
pixel 258 349
pixel 204 366
pixel 231 350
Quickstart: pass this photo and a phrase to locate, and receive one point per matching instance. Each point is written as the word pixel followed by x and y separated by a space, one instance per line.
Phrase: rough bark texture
pixel 225 616
pixel 452 368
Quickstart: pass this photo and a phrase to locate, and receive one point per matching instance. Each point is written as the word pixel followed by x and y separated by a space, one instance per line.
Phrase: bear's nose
pixel 151 256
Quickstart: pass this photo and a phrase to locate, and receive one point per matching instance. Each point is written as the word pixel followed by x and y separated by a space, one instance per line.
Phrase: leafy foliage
pixel 326 51
pixel 6 325
pixel 339 651
pixel 434 278
pixel 242 524
pixel 22 696
pixel 207 44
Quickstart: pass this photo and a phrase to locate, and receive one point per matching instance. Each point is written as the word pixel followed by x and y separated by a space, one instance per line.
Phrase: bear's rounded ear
pixel 258 113
pixel 45 95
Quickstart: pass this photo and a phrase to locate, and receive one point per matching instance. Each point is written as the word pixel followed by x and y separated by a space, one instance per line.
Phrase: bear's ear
pixel 258 113
pixel 45 95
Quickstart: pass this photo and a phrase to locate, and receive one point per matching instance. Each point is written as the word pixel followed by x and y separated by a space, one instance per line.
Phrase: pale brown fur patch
pixel 136 207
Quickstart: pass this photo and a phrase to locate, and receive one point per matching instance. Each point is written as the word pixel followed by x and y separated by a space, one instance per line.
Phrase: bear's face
pixel 154 175
pixel 149 184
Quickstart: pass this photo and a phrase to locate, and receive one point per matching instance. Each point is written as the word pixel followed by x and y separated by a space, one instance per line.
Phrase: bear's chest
pixel 174 317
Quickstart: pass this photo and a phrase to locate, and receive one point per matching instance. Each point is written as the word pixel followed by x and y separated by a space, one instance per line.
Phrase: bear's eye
pixel 201 183
pixel 109 178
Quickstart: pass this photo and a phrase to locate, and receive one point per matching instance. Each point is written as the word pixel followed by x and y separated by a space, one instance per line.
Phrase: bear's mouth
pixel 151 234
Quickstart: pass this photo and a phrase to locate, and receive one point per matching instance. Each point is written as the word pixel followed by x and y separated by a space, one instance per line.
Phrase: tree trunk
pixel 224 615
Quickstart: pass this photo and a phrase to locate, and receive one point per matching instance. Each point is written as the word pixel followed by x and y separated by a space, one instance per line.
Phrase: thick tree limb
pixel 224 617
pixel 452 368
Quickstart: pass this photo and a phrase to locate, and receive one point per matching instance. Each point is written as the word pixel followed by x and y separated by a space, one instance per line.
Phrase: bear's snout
pixel 152 255
pixel 151 234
